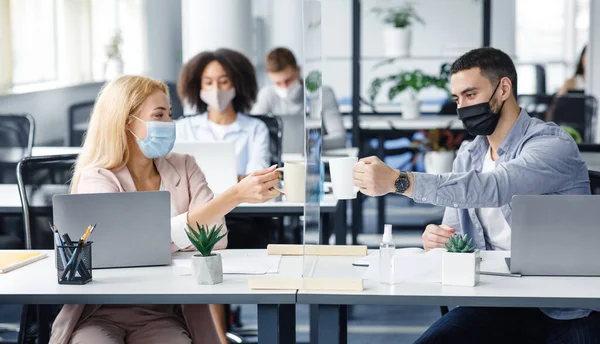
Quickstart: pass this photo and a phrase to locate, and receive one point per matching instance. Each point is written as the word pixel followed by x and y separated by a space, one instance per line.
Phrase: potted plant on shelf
pixel 207 267
pixel 460 263
pixel 440 147
pixel 412 82
pixel 397 38
pixel 573 132
pixel 114 65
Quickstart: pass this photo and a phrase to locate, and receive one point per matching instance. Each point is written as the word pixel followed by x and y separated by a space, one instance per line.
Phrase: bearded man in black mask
pixel 512 154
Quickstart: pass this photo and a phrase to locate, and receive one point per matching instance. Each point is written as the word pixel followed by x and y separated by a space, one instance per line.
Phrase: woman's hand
pixel 258 187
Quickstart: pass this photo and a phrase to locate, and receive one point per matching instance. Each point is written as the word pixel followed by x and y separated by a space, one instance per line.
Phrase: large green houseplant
pixel 412 82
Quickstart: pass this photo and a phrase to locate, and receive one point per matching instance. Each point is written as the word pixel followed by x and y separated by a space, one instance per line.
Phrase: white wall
pixel 5 44
pixel 163 39
pixel 503 24
pixel 213 24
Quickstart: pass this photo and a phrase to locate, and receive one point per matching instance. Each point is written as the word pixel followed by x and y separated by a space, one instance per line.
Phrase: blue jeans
pixel 510 325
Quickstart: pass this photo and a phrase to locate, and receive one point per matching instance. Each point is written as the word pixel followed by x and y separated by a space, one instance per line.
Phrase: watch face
pixel 402 184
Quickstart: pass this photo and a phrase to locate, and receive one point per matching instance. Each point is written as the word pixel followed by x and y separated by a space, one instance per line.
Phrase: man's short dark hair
pixel 279 59
pixel 493 63
pixel 238 68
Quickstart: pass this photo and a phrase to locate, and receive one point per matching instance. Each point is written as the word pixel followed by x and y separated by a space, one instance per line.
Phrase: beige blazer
pixel 182 177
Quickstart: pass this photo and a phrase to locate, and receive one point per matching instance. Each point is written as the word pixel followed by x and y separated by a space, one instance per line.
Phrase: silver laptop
pixel 293 133
pixel 555 235
pixel 217 161
pixel 133 228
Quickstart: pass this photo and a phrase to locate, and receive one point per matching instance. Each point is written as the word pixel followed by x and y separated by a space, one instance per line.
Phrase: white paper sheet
pixel 246 264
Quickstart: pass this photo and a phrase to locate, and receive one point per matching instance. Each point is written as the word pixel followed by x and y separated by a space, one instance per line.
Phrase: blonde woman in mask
pixel 127 149
pixel 221 87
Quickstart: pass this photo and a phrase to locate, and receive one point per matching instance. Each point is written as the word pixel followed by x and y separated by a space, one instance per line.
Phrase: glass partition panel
pixel 311 73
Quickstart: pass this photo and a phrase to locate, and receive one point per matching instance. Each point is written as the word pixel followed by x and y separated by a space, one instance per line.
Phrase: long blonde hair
pixel 105 144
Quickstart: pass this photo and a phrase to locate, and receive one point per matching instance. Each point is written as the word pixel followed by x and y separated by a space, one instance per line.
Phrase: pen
pixel 82 268
pixel 59 244
pixel 75 263
pixel 69 265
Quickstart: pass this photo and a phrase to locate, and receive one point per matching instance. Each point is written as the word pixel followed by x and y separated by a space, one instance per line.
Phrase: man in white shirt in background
pixel 286 97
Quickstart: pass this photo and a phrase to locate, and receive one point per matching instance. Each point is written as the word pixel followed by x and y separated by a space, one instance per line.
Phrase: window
pixel 550 34
pixel 33 39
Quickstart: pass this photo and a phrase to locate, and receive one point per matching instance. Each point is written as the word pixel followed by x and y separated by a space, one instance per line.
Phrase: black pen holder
pixel 74 263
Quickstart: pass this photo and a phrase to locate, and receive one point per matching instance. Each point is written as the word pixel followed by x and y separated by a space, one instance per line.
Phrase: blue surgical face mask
pixel 160 138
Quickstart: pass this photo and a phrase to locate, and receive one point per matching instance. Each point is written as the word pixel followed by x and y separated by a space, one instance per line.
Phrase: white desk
pixel 390 122
pixel 58 150
pixel 492 291
pixel 325 156
pixel 37 284
pixel 10 204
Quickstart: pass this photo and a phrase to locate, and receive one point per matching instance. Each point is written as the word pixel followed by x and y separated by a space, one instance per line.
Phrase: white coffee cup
pixel 342 177
pixel 294 181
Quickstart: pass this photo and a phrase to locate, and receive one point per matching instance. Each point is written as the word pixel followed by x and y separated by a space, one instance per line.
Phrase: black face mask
pixel 478 119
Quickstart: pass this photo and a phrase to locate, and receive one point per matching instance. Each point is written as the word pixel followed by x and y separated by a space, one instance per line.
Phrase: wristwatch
pixel 402 183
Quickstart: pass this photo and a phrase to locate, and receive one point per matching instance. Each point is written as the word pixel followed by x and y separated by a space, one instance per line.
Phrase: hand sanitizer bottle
pixel 386 257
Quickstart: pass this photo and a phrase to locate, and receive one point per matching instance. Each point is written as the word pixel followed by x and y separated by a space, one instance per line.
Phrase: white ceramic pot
pixel 396 41
pixel 460 269
pixel 439 162
pixel 113 68
pixel 411 109
pixel 207 270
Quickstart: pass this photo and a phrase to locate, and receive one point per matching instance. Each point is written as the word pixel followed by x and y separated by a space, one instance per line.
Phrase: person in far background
pixel 286 97
pixel 221 86
pixel 577 82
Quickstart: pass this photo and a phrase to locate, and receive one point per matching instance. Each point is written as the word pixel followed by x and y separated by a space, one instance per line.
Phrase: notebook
pixel 11 260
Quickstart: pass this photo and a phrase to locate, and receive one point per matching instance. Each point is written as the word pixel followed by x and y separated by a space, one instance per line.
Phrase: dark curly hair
pixel 238 68
pixel 493 63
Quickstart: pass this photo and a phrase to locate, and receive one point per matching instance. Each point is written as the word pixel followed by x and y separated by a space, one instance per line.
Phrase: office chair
pixel 594 182
pixel 40 178
pixel 16 141
pixel 577 111
pixel 275 127
pixel 176 107
pixel 79 115
pixel 536 105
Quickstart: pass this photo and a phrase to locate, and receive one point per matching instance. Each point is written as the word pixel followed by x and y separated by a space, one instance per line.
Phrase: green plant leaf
pixel 460 243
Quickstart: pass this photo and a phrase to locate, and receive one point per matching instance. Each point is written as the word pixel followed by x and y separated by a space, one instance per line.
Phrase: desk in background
pixel 10 204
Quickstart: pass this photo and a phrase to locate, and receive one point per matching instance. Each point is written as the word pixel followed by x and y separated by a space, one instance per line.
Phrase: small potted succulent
pixel 460 263
pixel 397 37
pixel 440 147
pixel 207 267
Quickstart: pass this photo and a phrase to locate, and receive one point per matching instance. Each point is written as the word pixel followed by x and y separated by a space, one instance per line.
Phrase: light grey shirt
pixel 535 158
pixel 268 102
